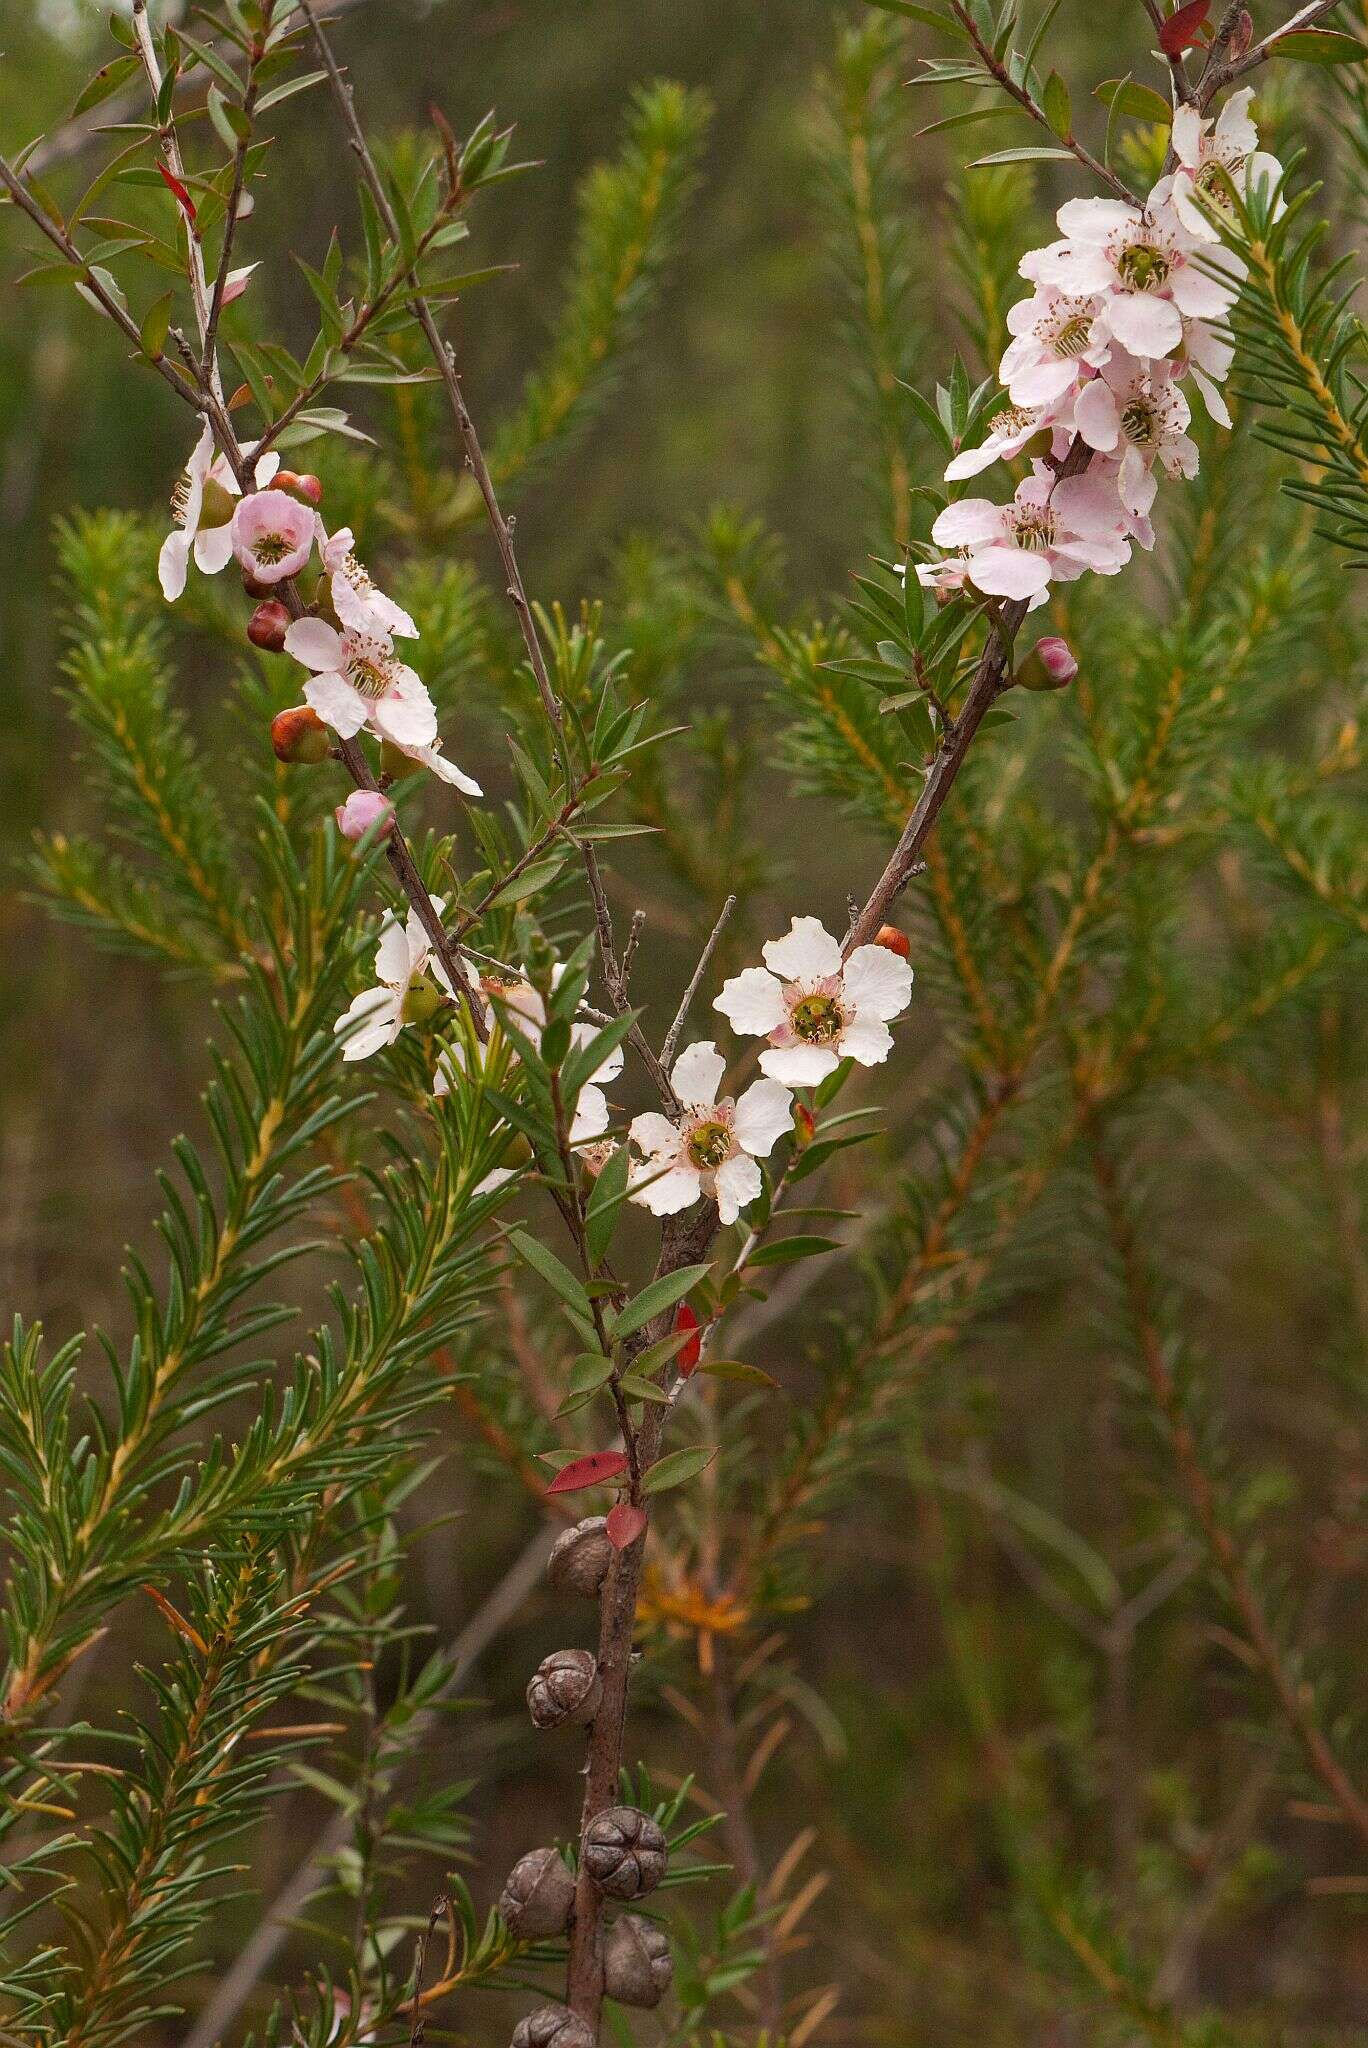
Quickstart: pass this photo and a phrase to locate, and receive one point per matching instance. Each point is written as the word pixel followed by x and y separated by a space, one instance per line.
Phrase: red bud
pixel 688 1354
pixel 804 1125
pixel 307 487
pixel 594 1470
pixel 268 625
pixel 895 941
pixel 299 734
pixel 624 1524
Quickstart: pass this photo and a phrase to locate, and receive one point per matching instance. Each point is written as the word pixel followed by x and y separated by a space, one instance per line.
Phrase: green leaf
pixel 677 1467
pixel 107 79
pixel 1320 46
pixel 589 1371
pixel 233 125
pixel 155 327
pixel 558 1277
pixel 605 1205
pixel 289 89
pixel 1058 106
pixel 1033 153
pixel 737 1369
pixel 655 1299
pixel 791 1249
pixel 643 1389
pixel 1127 97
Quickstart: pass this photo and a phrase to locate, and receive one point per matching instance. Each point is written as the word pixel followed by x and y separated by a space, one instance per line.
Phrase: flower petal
pixel 392 957
pixel 866 1039
pixel 968 524
pixel 752 1001
pixel 591 1114
pixel 697 1073
pixel 655 1135
pixel 1147 326
pixel 315 643
pixel 213 548
pixel 763 1114
pixel 878 983
pixel 736 1183
pixel 1009 572
pixel 807 952
pixel 405 713
pixel 173 564
pixel 673 1191
pixel 799 1066
pixel 336 703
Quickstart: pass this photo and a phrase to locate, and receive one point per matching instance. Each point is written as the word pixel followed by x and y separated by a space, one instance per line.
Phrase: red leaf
pixel 625 1523
pixel 173 184
pixel 1179 32
pixel 688 1354
pixel 594 1470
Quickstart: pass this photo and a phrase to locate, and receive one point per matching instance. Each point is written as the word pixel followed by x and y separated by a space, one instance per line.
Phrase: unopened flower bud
pixel 637 1968
pixel 364 811
pixel 564 1687
pixel 580 1558
pixel 268 626
pixel 893 940
pixel 624 1852
pixel 1050 665
pixel 299 735
pixel 538 1895
pixel 553 2026
pixel 307 487
pixel 804 1126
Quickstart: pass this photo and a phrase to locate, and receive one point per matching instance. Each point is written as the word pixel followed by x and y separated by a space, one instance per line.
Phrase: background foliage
pixel 973 1639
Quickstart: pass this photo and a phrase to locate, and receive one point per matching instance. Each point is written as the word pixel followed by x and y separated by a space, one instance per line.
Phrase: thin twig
pixel 667 1050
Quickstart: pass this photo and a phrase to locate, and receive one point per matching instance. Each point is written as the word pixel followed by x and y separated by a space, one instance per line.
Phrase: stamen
pixel 710 1145
pixel 817 1019
pixel 1143 266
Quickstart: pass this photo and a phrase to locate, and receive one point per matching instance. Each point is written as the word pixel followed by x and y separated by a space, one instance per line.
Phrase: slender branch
pixel 199 283
pixel 1218 75
pixel 1024 99
pixel 667 1050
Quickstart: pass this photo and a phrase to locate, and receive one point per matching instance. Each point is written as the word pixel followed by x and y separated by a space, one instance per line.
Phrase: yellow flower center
pixel 710 1145
pixel 817 1019
pixel 1143 267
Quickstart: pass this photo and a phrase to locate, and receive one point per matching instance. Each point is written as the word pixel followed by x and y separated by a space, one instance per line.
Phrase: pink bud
pixel 1050 665
pixel 364 810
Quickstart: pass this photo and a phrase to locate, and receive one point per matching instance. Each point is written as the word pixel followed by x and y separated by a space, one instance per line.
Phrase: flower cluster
pixel 357 680
pixel 1127 306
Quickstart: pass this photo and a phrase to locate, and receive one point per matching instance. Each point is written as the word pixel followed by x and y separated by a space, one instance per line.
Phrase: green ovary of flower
pixel 817 1019
pixel 1143 267
pixel 710 1146
pixel 270 548
pixel 1074 336
pixel 422 1002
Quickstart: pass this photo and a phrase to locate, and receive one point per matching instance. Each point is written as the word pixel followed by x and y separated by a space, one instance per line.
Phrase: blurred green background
pixel 734 393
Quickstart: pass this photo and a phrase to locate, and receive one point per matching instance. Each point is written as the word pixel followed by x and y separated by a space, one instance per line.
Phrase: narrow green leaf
pixel 677 1467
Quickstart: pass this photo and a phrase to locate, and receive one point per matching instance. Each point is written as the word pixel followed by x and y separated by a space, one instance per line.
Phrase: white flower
pixel 206 477
pixel 713 1148
pixel 814 1008
pixel 1136 409
pixel 377 1016
pixel 1206 358
pixel 1052 531
pixel 1143 263
pixel 359 681
pixel 435 761
pixel 1055 336
pixel 1009 432
pixel 1206 156
pixel 524 1015
pixel 356 600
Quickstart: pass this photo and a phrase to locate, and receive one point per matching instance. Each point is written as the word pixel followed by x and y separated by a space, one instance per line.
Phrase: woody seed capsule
pixel 552 2026
pixel 624 1852
pixel 564 1687
pixel 637 1969
pixel 580 1558
pixel 537 1896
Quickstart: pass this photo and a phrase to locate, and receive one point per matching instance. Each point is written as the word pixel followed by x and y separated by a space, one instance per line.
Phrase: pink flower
pixel 1051 532
pixel 713 1147
pixel 1207 156
pixel 1143 264
pixel 362 812
pixel 359 681
pixel 202 507
pixel 273 535
pixel 355 598
pixel 1056 336
pixel 1136 410
pixel 814 1008
pixel 1010 431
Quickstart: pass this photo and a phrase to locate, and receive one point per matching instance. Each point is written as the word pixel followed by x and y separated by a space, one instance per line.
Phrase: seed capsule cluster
pixel 622 1850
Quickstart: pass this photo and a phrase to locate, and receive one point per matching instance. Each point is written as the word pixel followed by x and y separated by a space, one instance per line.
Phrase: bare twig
pixel 667 1050
pixel 1220 74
